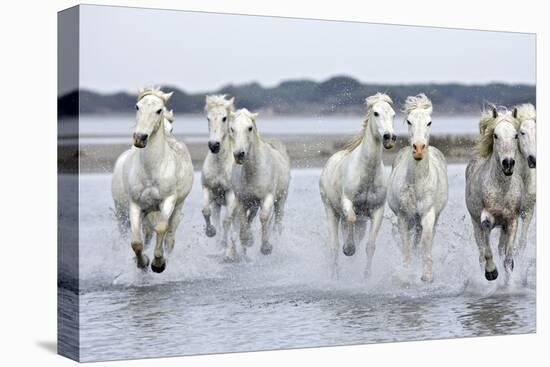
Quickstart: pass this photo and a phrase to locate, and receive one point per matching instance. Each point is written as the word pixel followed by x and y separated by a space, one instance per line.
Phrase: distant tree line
pixel 337 95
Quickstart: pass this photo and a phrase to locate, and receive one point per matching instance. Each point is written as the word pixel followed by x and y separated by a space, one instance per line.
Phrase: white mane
pixel 218 100
pixel 525 112
pixel 420 101
pixel 154 91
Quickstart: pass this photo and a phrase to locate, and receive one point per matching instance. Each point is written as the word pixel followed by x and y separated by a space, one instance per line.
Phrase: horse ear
pixel 515 113
pixel 166 96
pixel 494 111
pixel 232 102
pixel 254 115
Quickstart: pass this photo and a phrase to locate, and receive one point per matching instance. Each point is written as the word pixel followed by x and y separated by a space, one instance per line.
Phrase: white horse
pixel 526 115
pixel 151 181
pixel 260 178
pixel 494 188
pixel 352 183
pixel 217 170
pixel 418 189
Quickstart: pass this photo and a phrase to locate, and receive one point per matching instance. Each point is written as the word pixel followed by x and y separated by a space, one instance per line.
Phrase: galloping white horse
pixel 418 189
pixel 151 181
pixel 494 188
pixel 352 183
pixel 526 115
pixel 260 178
pixel 217 169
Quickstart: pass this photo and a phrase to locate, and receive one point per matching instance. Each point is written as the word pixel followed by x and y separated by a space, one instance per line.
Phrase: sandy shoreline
pixel 306 151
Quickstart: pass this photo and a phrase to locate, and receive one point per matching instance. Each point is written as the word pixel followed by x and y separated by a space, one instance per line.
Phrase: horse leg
pixel 483 231
pixel 265 216
pixel 161 227
pixel 279 213
pixel 428 224
pixel 351 218
pixel 172 226
pixel 403 224
pixel 376 222
pixel 136 217
pixel 332 221
pixel 207 198
pixel 230 248
pixel 244 233
pixel 511 230
pixel 216 211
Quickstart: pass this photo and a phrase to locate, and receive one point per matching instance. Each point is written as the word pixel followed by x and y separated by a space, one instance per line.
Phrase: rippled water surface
pixel 202 305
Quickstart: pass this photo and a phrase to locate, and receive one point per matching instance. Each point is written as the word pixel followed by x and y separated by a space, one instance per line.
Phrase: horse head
pixel 380 115
pixel 418 110
pixel 243 133
pixel 218 113
pixel 149 114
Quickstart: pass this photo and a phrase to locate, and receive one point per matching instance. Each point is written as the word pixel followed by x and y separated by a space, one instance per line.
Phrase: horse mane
pixel 357 139
pixel 487 124
pixel 525 112
pixel 420 101
pixel 151 91
pixel 218 100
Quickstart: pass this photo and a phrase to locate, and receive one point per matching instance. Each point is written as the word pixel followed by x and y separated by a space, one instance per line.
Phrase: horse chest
pixel 148 194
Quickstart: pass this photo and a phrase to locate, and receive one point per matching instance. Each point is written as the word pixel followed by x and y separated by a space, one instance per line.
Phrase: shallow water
pixel 202 305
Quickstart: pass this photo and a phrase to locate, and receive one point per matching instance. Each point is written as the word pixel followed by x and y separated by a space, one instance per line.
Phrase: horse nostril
pixel 140 137
pixel 214 146
pixel 387 136
pixel 393 138
pixel 239 155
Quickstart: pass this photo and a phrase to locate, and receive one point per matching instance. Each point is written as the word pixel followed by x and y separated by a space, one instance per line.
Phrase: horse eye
pixel 137 108
pixel 516 136
pixel 430 123
pixel 522 133
pixel 159 111
pixel 232 130
pixel 408 122
pixel 250 128
pixel 495 136
pixel 224 119
pixel 376 114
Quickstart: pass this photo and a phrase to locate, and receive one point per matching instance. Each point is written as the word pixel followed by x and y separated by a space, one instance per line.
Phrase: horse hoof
pixel 509 264
pixel 142 262
pixel 266 248
pixel 158 265
pixel 349 249
pixel 491 275
pixel 210 231
pixel 427 278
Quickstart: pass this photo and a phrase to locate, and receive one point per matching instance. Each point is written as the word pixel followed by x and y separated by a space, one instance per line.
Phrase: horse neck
pixel 154 152
pixel 252 163
pixel 369 153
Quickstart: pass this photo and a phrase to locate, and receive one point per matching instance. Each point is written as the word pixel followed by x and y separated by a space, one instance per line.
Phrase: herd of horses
pixel 244 174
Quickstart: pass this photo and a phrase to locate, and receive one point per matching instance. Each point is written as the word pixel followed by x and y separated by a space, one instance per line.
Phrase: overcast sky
pixel 125 48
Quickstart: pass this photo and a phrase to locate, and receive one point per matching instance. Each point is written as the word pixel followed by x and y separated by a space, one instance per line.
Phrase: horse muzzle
pixel 418 151
pixel 239 157
pixel 508 166
pixel 140 140
pixel 214 146
pixel 388 140
pixel 532 161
